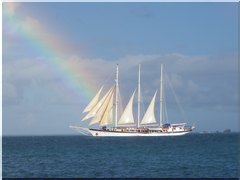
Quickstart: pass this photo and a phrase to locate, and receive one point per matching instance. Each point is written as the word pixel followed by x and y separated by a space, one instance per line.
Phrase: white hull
pixel 91 132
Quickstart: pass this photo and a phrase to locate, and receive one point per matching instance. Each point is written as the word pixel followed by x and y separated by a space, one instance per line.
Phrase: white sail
pixel 96 107
pixel 127 116
pixel 98 117
pixel 93 103
pixel 108 114
pixel 149 116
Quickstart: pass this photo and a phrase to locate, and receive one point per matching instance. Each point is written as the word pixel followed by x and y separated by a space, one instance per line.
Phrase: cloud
pixel 196 82
pixel 199 80
pixel 34 96
pixel 10 91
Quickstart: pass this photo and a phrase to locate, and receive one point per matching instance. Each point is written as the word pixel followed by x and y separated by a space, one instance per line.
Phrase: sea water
pixel 189 156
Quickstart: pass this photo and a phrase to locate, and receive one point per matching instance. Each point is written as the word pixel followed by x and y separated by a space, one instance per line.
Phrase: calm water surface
pixel 193 155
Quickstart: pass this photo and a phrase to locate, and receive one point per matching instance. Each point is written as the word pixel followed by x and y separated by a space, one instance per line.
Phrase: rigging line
pixel 165 106
pixel 165 117
pixel 143 105
pixel 120 98
pixel 177 100
pixel 108 78
pixel 120 102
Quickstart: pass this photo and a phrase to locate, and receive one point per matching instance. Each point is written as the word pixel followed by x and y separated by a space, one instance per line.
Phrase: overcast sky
pixel 57 55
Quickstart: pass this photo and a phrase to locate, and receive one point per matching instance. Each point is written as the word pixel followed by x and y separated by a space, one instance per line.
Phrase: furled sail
pixel 96 107
pixel 127 116
pixel 149 116
pixel 94 101
pixel 97 118
pixel 108 114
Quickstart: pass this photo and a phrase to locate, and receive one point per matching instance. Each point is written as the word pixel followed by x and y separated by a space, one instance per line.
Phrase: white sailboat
pixel 104 112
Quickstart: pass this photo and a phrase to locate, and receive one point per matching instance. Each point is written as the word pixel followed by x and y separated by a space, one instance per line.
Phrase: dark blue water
pixel 193 155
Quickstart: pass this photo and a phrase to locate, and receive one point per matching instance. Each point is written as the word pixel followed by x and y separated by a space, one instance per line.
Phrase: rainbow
pixel 76 80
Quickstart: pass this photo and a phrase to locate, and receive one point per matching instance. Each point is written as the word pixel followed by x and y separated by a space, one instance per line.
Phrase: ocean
pixel 189 156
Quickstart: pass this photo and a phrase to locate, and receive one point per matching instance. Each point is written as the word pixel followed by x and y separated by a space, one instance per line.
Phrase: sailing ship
pixel 104 112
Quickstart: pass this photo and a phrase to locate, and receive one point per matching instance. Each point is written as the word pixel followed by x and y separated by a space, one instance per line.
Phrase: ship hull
pixel 103 133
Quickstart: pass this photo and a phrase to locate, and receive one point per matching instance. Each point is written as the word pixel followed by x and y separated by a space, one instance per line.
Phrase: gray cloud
pixel 30 89
pixel 192 77
pixel 198 80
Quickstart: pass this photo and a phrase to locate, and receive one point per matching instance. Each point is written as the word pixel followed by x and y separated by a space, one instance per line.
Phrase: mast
pixel 161 96
pixel 116 98
pixel 139 96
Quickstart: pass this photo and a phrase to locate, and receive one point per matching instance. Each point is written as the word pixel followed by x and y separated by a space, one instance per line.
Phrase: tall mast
pixel 161 96
pixel 139 96
pixel 116 98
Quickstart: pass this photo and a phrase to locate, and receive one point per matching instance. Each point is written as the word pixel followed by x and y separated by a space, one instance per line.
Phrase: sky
pixel 57 55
